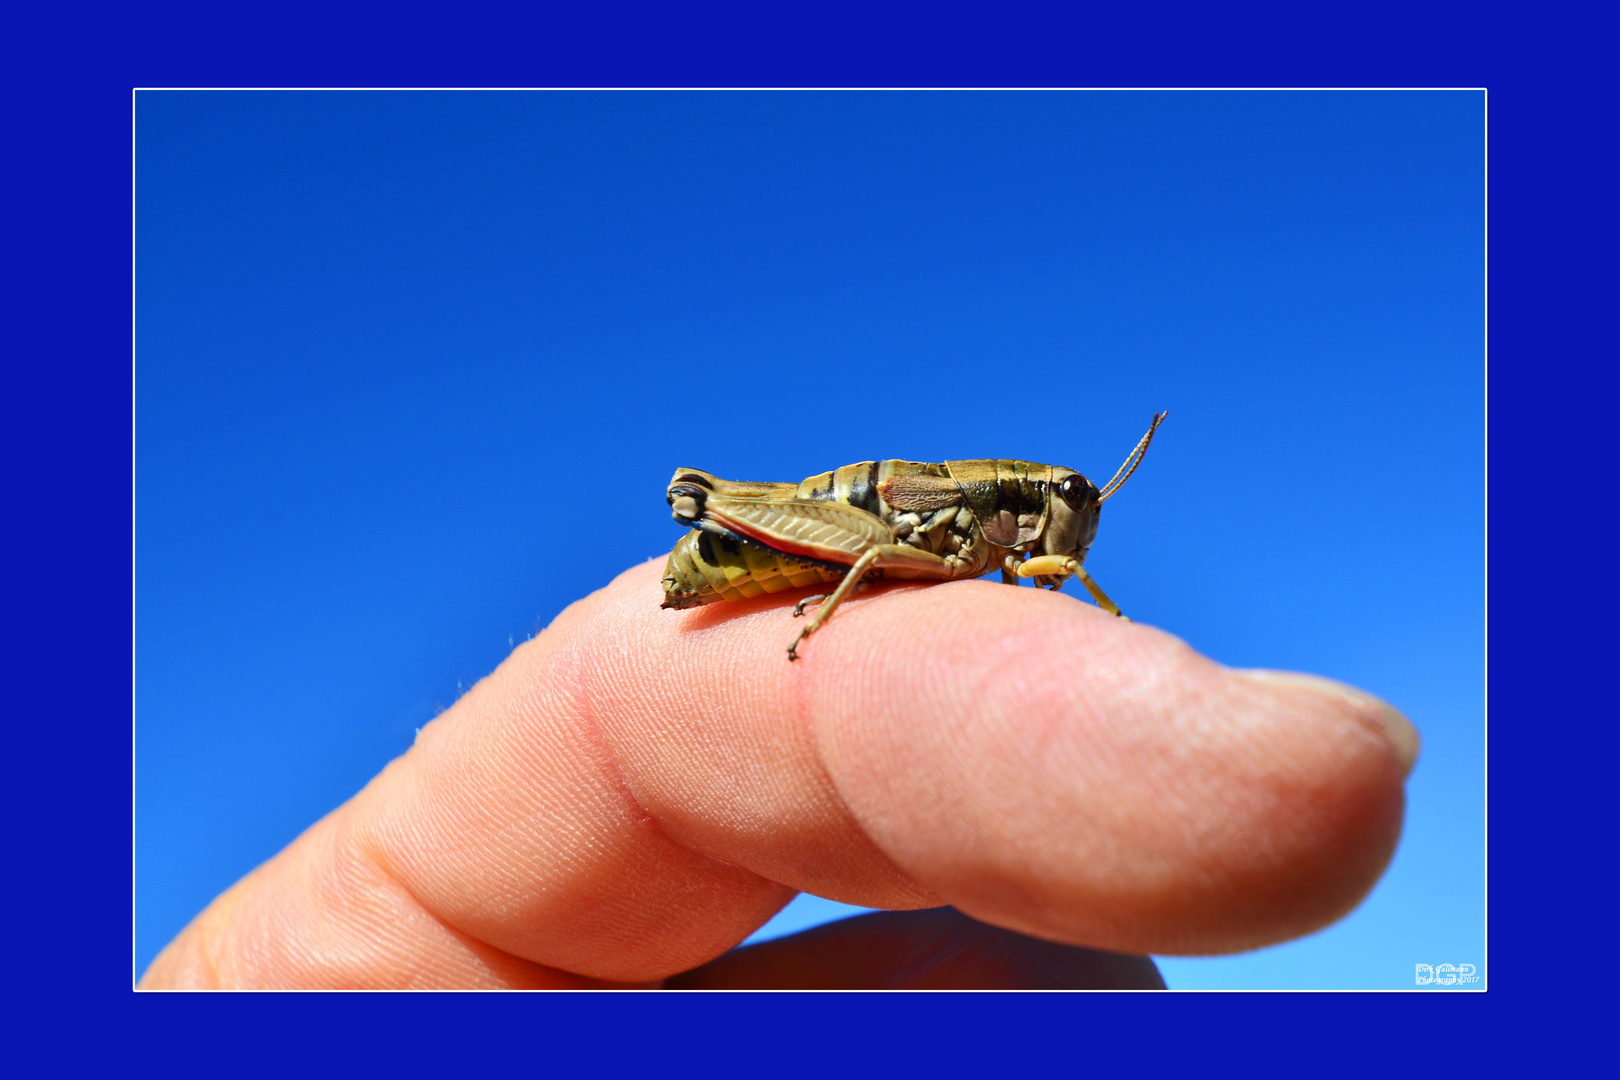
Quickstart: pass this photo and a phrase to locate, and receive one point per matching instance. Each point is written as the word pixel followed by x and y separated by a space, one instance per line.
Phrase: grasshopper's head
pixel 1075 506
pixel 1071 524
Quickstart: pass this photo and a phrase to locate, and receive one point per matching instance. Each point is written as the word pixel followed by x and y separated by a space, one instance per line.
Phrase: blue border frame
pixel 71 429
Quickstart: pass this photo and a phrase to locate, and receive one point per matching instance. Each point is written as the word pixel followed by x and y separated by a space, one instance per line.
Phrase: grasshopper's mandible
pixel 897 519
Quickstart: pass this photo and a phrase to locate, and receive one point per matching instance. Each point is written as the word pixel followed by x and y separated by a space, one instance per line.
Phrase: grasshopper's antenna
pixel 1133 461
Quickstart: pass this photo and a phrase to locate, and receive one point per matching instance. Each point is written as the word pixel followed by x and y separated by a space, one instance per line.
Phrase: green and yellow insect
pixel 885 519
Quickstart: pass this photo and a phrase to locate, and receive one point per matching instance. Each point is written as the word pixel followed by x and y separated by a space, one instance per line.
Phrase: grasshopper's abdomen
pixel 705 568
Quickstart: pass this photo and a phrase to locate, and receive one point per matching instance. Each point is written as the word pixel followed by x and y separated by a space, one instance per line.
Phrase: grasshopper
pixel 885 519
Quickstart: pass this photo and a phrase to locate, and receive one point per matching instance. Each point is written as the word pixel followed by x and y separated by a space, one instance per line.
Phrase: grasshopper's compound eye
pixel 1077 491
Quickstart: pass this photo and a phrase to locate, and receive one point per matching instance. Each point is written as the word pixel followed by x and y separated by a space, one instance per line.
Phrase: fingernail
pixel 1385 718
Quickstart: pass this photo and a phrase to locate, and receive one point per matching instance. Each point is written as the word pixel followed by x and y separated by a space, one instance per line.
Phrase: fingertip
pixel 1052 769
pixel 1374 713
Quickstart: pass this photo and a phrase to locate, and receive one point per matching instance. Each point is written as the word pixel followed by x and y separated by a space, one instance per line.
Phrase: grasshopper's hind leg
pixel 851 579
pixel 798 609
pixel 877 557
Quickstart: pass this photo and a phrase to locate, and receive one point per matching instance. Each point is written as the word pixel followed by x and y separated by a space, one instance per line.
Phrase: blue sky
pixel 380 336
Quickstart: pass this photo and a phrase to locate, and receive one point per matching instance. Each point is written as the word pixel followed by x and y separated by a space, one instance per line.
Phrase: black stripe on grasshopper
pixel 863 490
pixel 895 519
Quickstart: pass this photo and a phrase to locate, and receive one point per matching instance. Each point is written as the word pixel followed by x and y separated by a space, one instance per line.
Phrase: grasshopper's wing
pixel 829 532
pixel 919 492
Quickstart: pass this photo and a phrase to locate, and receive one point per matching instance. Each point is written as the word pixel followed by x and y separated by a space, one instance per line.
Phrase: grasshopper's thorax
pixel 1010 498
pixel 1030 509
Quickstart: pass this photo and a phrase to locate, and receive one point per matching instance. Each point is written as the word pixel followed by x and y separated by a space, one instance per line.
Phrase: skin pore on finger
pixel 633 792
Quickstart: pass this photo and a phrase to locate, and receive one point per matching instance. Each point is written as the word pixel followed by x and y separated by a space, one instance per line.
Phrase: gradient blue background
pixel 385 341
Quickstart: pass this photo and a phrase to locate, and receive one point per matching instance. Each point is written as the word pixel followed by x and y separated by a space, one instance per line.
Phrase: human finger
pixel 634 791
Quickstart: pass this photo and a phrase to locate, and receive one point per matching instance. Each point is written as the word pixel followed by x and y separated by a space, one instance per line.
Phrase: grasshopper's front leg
pixel 877 557
pixel 1062 564
pixel 1098 595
